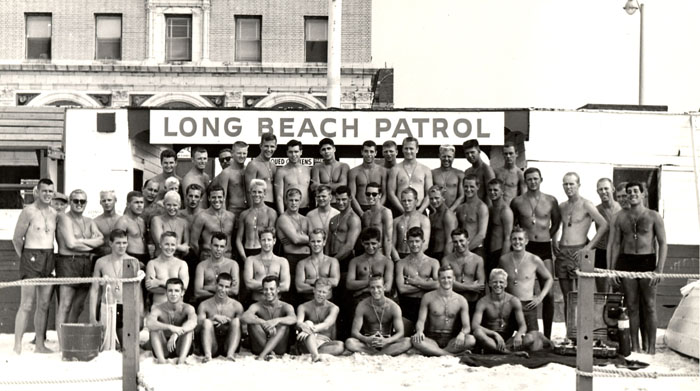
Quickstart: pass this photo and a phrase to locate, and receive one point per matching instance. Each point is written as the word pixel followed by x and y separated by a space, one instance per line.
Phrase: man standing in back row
pixel 409 173
pixel 538 214
pixel 483 172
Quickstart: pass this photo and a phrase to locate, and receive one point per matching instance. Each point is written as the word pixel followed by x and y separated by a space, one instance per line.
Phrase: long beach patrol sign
pixel 344 127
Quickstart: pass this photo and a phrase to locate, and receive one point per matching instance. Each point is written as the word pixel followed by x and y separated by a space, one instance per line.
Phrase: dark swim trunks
pixel 530 317
pixel 480 251
pixel 541 249
pixel 409 307
pixel 36 263
pixel 601 261
pixel 566 263
pixel 491 262
pixel 636 262
pixel 442 338
pixel 143 259
pixel 249 252
pixel 74 266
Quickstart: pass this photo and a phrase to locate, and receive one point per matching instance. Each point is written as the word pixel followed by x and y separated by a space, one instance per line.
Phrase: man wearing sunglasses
pixel 77 237
pixel 364 174
pixel 232 179
pixel 378 216
pixel 225 157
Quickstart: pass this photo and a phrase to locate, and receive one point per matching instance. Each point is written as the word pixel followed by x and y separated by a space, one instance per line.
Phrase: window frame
pixel 238 41
pixel 168 39
pixel 27 39
pixel 121 36
pixel 308 42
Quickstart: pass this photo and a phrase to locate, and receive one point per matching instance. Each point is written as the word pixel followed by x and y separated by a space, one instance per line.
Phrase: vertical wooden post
pixel 130 332
pixel 584 324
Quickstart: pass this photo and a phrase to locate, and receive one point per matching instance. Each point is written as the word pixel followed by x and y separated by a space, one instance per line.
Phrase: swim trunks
pixel 409 307
pixel 403 255
pixel 491 262
pixel 566 263
pixel 365 207
pixel 437 255
pixel 304 211
pixel 480 251
pixel 530 317
pixel 442 338
pixel 249 252
pixel 541 249
pixel 320 341
pixel 74 266
pixel 601 261
pixel 36 263
pixel 636 262
pixel 120 314
pixel 143 259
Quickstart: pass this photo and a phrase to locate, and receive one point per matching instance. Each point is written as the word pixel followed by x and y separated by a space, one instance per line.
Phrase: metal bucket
pixel 80 341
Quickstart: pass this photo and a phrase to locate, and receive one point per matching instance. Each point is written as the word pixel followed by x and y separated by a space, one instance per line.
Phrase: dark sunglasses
pixel 368 194
pixel 79 202
pixel 226 159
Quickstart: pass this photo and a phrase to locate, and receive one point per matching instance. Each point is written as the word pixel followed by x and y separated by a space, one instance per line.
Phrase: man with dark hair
pixel 33 243
pixel 213 219
pixel 416 275
pixel 539 215
pixel 371 262
pixel 219 321
pixel 321 216
pixel 343 230
pixel 262 168
pixel 442 222
pixel 316 323
pixel 636 233
pixel 205 279
pixel 500 225
pixel 232 179
pixel 196 174
pixel 364 174
pixel 468 269
pixel 111 265
pixel 164 267
pixel 510 174
pixel 77 237
pixel 252 220
pixel 132 223
pixel 442 308
pixel 317 265
pixel 377 327
pixel 259 266
pixel 269 321
pixel 473 215
pixel 293 175
pixel 482 171
pixel 171 324
pixel 380 217
pixel 449 177
pixel 410 219
pixel 225 157
pixel 193 198
pixel 329 171
pixel 168 164
pixel 409 173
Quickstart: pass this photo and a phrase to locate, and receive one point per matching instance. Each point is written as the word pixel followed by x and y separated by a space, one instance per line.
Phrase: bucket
pixel 80 341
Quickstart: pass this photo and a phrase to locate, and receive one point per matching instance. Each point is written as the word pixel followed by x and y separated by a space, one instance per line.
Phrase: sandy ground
pixel 358 372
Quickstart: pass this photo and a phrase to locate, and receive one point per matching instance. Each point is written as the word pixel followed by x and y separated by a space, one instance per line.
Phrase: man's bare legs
pixel 43 297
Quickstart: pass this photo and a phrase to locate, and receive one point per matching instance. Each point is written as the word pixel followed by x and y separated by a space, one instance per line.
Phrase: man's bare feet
pixel 231 358
pixel 521 354
pixel 316 359
pixel 18 349
pixel 206 359
pixel 40 348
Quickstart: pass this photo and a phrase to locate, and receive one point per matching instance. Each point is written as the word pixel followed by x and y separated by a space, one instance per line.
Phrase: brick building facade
pixel 180 53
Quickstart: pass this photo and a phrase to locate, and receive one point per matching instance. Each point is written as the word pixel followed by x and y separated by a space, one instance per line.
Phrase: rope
pixel 61 381
pixel 69 280
pixel 618 273
pixel 609 372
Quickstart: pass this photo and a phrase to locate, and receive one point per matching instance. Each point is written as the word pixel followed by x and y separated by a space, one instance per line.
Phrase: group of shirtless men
pixel 389 251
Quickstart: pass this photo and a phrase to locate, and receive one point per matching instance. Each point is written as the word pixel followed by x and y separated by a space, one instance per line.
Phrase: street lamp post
pixel 631 7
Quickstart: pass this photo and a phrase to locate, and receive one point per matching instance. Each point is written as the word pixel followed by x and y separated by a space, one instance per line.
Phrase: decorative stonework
pixel 120 95
pixel 137 100
pixel 23 99
pixel 7 93
pixel 104 99
pixel 216 100
pixel 234 99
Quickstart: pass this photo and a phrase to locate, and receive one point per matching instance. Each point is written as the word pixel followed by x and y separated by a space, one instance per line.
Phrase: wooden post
pixel 584 324
pixel 130 332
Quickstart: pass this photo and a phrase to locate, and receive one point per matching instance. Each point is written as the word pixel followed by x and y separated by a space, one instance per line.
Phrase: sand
pixel 358 372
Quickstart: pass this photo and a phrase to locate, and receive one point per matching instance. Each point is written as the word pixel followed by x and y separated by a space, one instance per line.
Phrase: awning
pixel 18 158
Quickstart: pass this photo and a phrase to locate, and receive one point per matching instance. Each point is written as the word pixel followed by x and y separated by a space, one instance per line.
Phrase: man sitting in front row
pixel 172 324
pixel 269 321
pixel 378 326
pixel 219 320
pixel 442 307
pixel 316 323
pixel 498 315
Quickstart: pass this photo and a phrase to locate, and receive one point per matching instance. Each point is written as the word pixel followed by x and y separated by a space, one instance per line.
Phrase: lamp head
pixel 631 7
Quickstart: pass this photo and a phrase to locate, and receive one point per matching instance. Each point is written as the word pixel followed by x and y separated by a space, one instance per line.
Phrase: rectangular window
pixel 178 38
pixel 316 39
pixel 39 37
pixel 108 37
pixel 248 41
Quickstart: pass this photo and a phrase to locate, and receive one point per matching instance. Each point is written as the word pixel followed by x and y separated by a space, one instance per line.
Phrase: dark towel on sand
pixel 536 360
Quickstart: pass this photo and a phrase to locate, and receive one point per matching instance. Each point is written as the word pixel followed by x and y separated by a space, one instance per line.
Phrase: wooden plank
pixel 31 129
pixel 130 332
pixel 682 251
pixel 584 326
pixel 36 145
pixel 34 115
pixel 34 137
pixel 31 122
pixel 31 109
